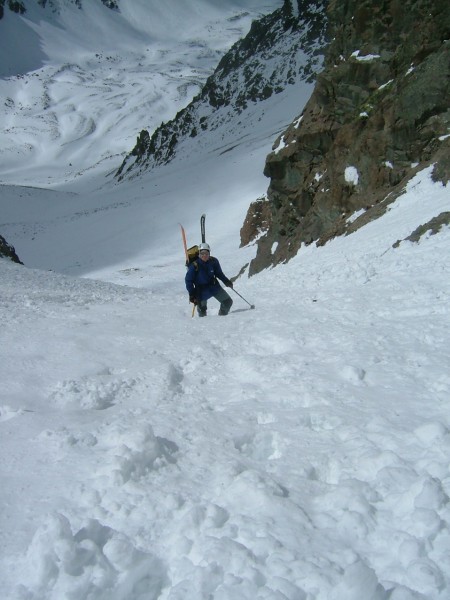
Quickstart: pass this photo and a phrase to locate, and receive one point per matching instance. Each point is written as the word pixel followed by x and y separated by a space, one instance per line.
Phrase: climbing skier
pixel 201 282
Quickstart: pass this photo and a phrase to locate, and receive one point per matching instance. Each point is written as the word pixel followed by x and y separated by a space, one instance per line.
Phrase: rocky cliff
pixel 13 5
pixel 281 48
pixel 8 251
pixel 380 110
pixel 20 6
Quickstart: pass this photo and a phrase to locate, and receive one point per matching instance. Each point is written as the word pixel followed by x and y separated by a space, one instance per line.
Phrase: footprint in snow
pixel 352 374
pixel 266 445
pixel 98 393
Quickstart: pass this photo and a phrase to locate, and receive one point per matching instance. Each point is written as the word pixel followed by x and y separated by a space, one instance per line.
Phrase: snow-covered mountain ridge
pixel 83 81
pixel 282 49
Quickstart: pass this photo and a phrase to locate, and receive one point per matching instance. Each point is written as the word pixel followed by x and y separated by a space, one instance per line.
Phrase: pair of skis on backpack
pixel 191 253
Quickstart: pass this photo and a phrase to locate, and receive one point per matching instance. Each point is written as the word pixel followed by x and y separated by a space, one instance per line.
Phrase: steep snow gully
pixel 295 451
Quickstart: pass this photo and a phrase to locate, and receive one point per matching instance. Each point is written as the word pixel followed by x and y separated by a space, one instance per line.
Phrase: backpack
pixel 192 255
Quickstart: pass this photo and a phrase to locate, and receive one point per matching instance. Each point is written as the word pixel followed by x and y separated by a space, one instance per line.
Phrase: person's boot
pixel 225 307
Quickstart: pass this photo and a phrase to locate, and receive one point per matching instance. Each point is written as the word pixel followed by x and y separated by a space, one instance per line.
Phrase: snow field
pixel 299 450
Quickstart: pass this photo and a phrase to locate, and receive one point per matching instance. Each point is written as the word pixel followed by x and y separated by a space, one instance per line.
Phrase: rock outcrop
pixel 13 5
pixel 281 48
pixel 379 111
pixel 8 251
pixel 19 6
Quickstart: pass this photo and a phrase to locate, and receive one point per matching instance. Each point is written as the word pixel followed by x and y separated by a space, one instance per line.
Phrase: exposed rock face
pixel 257 221
pixel 281 48
pixel 14 5
pixel 19 6
pixel 379 110
pixel 7 251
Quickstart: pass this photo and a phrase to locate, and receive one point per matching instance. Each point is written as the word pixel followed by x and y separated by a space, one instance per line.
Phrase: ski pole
pixel 193 310
pixel 251 305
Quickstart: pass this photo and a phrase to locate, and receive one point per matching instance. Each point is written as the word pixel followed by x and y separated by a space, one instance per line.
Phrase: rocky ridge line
pixel 19 6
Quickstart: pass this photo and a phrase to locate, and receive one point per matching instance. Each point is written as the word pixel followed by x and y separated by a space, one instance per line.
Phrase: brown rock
pixel 381 106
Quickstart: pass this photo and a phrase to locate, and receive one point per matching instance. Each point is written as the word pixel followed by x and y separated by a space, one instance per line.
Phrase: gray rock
pixel 8 251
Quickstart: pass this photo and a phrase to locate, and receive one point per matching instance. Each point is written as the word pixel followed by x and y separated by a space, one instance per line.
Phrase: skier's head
pixel 204 251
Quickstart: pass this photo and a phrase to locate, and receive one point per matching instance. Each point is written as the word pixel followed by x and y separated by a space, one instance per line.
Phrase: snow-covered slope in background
pixel 81 84
pixel 277 60
pixel 98 224
pixel 97 234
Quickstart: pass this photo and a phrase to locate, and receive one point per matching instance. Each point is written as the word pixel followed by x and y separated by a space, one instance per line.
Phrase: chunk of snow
pixel 351 175
pixel 356 215
pixel 295 8
pixel 281 144
pixel 384 85
pixel 364 58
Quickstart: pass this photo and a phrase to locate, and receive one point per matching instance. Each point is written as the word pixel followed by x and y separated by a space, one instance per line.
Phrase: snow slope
pixel 296 451
pixel 299 450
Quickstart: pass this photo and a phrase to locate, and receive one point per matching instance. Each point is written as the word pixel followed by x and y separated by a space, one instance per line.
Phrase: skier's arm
pixel 190 280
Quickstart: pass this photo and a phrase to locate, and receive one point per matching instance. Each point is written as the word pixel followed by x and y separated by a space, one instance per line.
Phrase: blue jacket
pixel 201 278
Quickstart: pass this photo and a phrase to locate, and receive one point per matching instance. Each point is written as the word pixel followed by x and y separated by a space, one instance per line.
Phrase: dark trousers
pixel 225 303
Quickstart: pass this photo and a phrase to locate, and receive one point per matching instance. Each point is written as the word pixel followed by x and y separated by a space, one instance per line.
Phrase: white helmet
pixel 204 246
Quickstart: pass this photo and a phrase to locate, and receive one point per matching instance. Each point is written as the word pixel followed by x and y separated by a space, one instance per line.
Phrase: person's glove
pixel 229 283
pixel 193 299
